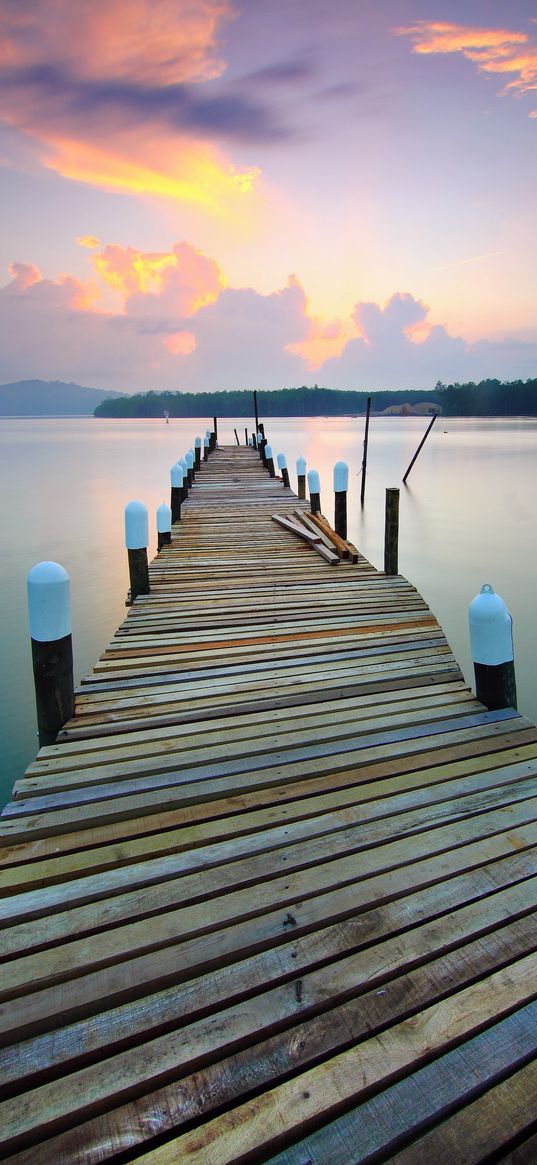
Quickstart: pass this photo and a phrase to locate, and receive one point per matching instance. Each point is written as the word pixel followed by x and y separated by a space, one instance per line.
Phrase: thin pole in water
pixel 420 446
pixel 364 459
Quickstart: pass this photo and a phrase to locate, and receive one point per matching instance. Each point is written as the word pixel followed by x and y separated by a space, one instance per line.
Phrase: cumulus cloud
pixel 499 51
pixel 178 326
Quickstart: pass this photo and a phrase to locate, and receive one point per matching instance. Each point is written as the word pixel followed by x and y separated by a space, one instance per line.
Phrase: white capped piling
pixel 491 640
pixel 189 458
pixel 341 485
pixel 301 476
pixel 49 615
pixel 177 476
pixel 197 453
pixel 136 541
pixel 314 486
pixel 205 448
pixel 183 463
pixel 164 526
pixel 391 531
pixel 261 445
pixel 282 466
pixel 269 461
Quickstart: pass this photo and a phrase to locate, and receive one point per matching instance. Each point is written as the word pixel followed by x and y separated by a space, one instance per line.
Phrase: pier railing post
pixel 391 532
pixel 301 476
pixel 314 486
pixel 491 639
pixel 52 648
pixel 164 526
pixel 341 485
pixel 189 458
pixel 197 453
pixel 176 475
pixel 136 541
pixel 269 460
pixel 206 448
pixel 282 466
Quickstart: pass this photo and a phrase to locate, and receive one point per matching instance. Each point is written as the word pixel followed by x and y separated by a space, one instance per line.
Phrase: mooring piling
pixel 176 475
pixel 420 446
pixel 164 526
pixel 206 448
pixel 341 485
pixel 314 486
pixel 269 460
pixel 282 466
pixel 189 467
pixel 391 532
pixel 491 640
pixel 49 616
pixel 301 477
pixel 197 453
pixel 136 541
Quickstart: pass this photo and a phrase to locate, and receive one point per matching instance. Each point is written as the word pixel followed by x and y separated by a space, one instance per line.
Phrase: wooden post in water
pixel 301 476
pixel 420 446
pixel 164 526
pixel 341 485
pixel 189 467
pixel 183 463
pixel 215 431
pixel 136 540
pixel 391 532
pixel 197 453
pixel 282 466
pixel 314 486
pixel 236 436
pixel 245 435
pixel 254 440
pixel 256 414
pixel 269 460
pixel 52 647
pixel 491 638
pixel 176 475
pixel 364 459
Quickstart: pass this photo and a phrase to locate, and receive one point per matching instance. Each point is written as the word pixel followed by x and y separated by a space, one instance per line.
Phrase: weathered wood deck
pixel 272 896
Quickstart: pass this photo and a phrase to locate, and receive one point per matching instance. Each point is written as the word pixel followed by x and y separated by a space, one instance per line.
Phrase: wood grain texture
pixel 272 893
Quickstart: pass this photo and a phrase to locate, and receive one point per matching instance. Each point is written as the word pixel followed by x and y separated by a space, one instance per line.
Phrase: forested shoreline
pixel 488 398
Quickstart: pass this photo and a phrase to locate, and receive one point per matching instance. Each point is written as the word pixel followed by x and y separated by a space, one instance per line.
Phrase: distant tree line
pixel 487 398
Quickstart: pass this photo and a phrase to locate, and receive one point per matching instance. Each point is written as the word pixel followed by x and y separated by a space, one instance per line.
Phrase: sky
pixel 219 194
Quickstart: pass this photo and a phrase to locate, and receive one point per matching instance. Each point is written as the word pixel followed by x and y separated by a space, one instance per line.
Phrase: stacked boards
pixel 271 895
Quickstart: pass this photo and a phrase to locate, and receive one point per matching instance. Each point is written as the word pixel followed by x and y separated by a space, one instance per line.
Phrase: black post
pixel 391 532
pixel 364 459
pixel 256 414
pixel 420 447
pixel 215 431
pixel 175 502
pixel 138 572
pixel 245 435
pixel 54 686
pixel 236 436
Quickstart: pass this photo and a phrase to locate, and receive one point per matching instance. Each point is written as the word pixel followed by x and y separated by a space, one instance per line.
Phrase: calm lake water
pixel 467 517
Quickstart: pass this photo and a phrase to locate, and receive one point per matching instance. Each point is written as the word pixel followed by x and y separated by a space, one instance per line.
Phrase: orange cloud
pixel 323 340
pixel 159 42
pixel 176 283
pixel 89 241
pixel 181 343
pixel 493 50
pixel 182 170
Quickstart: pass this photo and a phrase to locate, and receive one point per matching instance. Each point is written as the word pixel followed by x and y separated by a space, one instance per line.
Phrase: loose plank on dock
pixel 272 894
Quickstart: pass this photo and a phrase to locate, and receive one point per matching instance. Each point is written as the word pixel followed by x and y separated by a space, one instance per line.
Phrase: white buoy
pixel 49 615
pixel 314 486
pixel 136 541
pixel 341 485
pixel 491 641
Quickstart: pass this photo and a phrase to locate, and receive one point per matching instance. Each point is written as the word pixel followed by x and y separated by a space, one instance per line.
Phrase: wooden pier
pixel 271 896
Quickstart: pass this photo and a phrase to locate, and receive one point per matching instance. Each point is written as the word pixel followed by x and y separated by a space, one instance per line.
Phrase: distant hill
pixel 50 398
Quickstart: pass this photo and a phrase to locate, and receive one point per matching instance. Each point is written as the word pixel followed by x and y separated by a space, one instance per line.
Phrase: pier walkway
pixel 271 896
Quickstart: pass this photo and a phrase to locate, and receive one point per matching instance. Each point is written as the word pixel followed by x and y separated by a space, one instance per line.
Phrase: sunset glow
pixel 168 163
